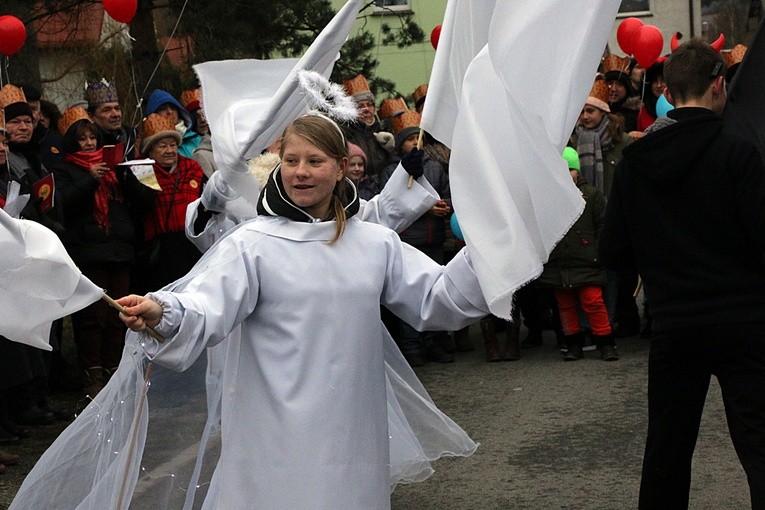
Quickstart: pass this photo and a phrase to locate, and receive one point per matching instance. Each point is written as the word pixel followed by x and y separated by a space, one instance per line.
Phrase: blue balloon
pixel 663 106
pixel 456 227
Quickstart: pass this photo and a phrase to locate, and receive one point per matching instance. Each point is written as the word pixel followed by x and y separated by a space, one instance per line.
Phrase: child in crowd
pixel 577 275
pixel 357 160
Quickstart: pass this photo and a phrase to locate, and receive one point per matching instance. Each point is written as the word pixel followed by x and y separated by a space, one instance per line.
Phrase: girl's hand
pixel 139 312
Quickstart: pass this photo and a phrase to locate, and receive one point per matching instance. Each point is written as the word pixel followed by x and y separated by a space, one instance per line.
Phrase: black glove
pixel 412 162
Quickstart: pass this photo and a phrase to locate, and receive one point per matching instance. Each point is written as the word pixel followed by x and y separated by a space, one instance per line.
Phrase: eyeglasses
pixel 716 71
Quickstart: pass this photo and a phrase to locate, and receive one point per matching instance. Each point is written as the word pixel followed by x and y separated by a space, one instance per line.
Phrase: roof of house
pixel 78 27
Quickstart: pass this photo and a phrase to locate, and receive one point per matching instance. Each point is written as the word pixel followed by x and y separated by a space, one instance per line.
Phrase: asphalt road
pixel 560 435
pixel 552 435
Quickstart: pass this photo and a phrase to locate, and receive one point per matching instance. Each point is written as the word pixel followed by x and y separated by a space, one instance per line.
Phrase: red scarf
pixel 106 185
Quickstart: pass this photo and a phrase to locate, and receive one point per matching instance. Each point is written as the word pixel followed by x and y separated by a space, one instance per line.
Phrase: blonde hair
pixel 326 135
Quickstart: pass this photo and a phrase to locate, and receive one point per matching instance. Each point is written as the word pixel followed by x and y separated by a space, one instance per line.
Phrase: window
pixel 392 6
pixel 632 7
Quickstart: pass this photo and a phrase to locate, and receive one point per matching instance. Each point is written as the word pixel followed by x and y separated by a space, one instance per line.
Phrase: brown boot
pixel 9 459
pixel 513 345
pixel 96 381
pixel 462 340
pixel 489 332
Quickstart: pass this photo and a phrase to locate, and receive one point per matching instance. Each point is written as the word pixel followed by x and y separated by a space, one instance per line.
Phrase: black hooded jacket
pixel 687 210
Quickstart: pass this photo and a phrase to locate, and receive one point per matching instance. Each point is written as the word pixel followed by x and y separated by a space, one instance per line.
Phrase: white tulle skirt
pixel 151 438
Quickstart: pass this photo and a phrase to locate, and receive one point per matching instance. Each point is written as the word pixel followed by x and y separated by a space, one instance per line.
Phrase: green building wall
pixel 406 67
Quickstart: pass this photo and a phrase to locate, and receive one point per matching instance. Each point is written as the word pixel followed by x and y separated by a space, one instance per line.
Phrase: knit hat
pixel 101 92
pixel 355 150
pixel 70 116
pixel 156 127
pixel 192 99
pixel 418 96
pixel 391 107
pixel 159 98
pixel 358 88
pixel 404 126
pixel 616 68
pixel 572 158
pixel 14 102
pixel 598 96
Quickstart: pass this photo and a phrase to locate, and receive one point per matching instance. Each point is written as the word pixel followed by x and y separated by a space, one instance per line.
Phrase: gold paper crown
pixel 420 93
pixel 409 118
pixel 599 90
pixel 191 99
pixel 2 119
pixel 70 116
pixel 392 106
pixel 10 94
pixel 735 55
pixel 100 92
pixel 616 63
pixel 356 85
pixel 155 127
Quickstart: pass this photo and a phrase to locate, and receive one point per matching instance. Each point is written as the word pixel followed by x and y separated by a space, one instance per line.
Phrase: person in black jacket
pixel 686 210
pixel 100 238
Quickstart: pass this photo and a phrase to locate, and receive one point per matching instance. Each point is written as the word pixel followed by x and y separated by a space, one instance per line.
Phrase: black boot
pixel 575 343
pixel 607 347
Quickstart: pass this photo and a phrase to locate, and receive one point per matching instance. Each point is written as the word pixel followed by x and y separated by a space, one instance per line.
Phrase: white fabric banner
pixel 39 282
pixel 464 32
pixel 248 103
pixel 518 103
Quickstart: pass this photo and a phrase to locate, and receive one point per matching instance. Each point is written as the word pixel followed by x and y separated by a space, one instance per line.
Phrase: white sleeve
pixel 219 224
pixel 429 296
pixel 397 205
pixel 208 308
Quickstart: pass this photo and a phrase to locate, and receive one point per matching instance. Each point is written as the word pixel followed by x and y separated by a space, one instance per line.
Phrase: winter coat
pixel 86 241
pixel 611 158
pixel 427 230
pixel 686 210
pixel 574 262
pixel 378 156
pixel 203 154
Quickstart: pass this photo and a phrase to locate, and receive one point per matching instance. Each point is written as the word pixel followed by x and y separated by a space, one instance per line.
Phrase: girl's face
pixel 87 141
pixel 355 168
pixel 3 148
pixel 309 175
pixel 591 117
pixel 658 85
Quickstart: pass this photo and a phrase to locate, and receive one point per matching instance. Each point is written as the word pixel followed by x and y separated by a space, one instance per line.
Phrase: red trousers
pixel 590 298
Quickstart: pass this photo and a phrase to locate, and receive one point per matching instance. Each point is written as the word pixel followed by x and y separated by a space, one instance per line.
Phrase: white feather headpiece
pixel 327 98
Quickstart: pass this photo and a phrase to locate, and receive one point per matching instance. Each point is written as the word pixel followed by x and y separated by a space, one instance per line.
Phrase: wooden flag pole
pixel 159 338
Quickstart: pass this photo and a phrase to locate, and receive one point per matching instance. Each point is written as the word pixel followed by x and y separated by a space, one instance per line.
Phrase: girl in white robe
pixel 308 419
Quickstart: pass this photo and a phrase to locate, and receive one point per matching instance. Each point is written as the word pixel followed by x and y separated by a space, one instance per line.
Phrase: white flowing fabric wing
pixel 511 190
pixel 464 32
pixel 249 103
pixel 39 282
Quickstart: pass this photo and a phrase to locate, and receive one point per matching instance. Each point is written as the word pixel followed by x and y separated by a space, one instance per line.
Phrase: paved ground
pixel 553 435
pixel 558 435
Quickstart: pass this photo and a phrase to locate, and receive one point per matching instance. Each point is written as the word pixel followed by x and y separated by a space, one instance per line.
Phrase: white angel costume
pixel 304 407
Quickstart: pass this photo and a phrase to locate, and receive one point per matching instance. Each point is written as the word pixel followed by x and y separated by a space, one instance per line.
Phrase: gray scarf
pixel 591 143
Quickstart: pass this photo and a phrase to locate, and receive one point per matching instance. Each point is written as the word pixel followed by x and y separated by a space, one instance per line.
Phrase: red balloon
pixel 435 35
pixel 626 32
pixel 647 45
pixel 13 33
pixel 121 10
